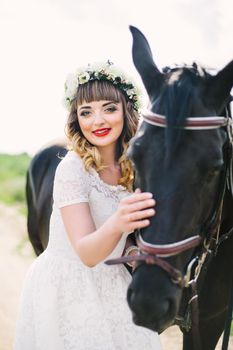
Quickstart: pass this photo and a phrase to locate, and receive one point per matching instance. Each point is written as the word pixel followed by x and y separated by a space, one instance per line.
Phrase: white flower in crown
pixel 100 71
pixel 83 78
pixel 71 86
pixel 131 93
pixel 111 76
pixel 115 73
pixel 66 102
pixel 96 74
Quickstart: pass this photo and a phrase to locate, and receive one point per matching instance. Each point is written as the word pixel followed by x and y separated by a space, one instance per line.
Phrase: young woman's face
pixel 101 122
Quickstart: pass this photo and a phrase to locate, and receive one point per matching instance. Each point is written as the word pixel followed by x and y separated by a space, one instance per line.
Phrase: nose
pixel 98 118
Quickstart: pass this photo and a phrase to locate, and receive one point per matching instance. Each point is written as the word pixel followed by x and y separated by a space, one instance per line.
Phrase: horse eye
pixel 214 172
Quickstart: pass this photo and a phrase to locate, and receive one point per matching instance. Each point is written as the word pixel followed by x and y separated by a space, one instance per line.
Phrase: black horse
pixel 39 188
pixel 182 154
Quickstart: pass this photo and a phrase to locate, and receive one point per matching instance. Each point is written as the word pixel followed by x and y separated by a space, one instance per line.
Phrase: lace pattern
pixel 66 305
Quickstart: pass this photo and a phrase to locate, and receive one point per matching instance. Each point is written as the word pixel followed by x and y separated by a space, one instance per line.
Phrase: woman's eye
pixel 111 109
pixel 85 113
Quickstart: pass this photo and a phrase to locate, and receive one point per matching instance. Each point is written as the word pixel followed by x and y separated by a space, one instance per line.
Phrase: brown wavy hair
pixel 95 91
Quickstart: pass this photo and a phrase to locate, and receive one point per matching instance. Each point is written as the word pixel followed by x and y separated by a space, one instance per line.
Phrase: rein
pixel 154 254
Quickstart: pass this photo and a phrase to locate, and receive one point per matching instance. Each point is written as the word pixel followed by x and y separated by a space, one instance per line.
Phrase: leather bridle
pixel 154 254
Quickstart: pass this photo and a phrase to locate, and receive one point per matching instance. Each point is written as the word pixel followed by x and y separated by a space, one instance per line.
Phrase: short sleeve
pixel 71 182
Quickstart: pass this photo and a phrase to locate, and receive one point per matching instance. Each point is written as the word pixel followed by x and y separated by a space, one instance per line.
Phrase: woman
pixel 71 299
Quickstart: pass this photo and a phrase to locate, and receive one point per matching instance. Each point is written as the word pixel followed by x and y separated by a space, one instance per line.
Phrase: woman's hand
pixel 94 245
pixel 134 212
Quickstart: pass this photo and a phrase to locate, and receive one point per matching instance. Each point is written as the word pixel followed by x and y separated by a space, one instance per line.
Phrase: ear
pixel 219 88
pixel 142 57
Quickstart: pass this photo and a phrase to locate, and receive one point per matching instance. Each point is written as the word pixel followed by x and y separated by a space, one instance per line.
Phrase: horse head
pixel 182 165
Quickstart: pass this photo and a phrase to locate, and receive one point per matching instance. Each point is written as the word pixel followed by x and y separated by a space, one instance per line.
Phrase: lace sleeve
pixel 70 183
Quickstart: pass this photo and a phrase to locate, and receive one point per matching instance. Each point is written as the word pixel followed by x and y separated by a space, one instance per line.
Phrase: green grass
pixel 13 170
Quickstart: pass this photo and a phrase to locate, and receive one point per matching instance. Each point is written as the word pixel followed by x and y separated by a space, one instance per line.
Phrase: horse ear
pixel 219 88
pixel 142 57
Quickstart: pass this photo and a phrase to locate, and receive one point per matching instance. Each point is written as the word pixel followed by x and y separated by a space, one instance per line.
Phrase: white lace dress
pixel 66 305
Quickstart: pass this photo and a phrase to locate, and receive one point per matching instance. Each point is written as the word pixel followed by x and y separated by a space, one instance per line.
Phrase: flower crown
pixel 105 72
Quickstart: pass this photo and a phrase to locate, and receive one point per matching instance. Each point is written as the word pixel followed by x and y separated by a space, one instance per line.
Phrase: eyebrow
pixel 104 105
pixel 109 103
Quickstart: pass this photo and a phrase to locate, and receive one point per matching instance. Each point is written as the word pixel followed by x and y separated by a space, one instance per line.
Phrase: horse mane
pixel 176 99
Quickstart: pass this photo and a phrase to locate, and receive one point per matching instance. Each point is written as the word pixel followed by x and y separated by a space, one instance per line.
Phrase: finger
pixel 138 190
pixel 147 203
pixel 140 215
pixel 137 197
pixel 140 224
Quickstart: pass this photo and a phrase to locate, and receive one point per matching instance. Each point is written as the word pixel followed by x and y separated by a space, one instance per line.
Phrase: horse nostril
pixel 129 294
pixel 132 299
pixel 165 307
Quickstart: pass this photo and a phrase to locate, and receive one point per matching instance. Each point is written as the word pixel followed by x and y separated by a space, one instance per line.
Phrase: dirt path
pixel 15 257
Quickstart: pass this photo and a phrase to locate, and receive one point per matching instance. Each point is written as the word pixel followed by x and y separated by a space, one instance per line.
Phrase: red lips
pixel 101 132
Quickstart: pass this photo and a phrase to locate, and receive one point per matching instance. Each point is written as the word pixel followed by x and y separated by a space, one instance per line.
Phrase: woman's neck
pixel 108 156
pixel 112 173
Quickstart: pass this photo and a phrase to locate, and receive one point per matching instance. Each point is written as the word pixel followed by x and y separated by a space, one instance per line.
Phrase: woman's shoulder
pixel 71 182
pixel 73 158
pixel 71 164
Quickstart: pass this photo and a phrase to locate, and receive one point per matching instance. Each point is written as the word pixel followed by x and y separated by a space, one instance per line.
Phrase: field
pixel 13 178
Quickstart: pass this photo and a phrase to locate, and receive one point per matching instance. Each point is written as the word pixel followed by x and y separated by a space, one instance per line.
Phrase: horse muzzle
pixel 153 307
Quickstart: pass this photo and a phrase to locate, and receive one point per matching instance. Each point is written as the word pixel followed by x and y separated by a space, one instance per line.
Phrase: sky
pixel 42 41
